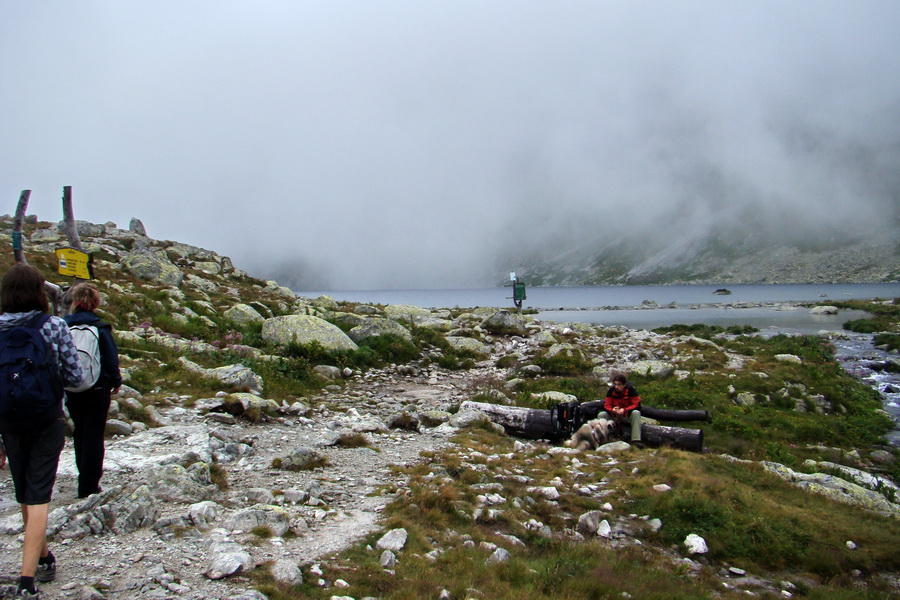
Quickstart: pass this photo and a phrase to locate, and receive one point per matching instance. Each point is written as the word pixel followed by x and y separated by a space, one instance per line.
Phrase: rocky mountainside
pixel 260 433
pixel 736 256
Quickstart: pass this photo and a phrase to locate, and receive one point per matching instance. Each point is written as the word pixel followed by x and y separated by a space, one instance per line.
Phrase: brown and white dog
pixel 591 435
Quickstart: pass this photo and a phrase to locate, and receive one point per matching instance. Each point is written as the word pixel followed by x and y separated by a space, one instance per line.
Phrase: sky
pixel 411 144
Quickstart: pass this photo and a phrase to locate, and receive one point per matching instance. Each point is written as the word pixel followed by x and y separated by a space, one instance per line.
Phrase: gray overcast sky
pixel 398 144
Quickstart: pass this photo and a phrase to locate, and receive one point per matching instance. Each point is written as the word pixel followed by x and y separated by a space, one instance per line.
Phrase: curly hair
pixel 85 296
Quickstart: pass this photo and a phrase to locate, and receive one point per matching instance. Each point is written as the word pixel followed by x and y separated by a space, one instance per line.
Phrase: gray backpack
pixel 87 340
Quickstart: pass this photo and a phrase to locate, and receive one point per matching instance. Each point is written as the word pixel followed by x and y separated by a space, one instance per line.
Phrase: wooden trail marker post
pixel 73 261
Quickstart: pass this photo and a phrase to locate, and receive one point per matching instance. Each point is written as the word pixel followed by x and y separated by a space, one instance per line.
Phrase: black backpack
pixel 30 382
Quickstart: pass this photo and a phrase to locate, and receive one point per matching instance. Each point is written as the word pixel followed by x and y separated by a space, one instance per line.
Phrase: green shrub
pixel 706 331
pixel 563 364
pixel 455 362
pixel 864 326
pixel 391 348
pixel 891 340
pixel 507 362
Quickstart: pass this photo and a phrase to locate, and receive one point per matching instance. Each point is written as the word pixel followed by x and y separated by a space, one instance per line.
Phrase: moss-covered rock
pixel 243 314
pixel 153 266
pixel 836 489
pixel 306 329
pixel 407 313
pixel 375 327
pixel 467 344
pixel 504 322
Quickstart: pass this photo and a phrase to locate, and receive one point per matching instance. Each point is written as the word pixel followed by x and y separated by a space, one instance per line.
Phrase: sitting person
pixel 623 402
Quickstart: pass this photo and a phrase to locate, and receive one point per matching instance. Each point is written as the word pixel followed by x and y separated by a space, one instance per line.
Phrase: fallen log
pixel 537 423
pixel 677 437
pixel 531 423
pixel 664 414
pixel 590 410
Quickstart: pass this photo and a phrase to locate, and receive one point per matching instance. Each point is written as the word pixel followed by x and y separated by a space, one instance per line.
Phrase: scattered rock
pixel 394 540
pixel 695 544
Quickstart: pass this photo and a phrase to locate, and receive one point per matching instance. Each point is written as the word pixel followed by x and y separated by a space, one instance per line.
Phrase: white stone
pixel 604 530
pixel 791 358
pixel 499 555
pixel 695 544
pixel 388 560
pixel 394 540
pixel 287 572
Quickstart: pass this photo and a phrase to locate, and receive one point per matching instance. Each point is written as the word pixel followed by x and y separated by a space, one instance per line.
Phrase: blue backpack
pixel 30 383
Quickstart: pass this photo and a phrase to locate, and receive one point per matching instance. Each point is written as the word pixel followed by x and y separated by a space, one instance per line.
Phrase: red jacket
pixel 627 398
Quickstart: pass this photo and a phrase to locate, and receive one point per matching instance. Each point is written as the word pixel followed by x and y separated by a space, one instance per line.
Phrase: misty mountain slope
pixel 753 255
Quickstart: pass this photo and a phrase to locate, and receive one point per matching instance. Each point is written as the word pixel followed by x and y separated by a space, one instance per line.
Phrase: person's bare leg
pixel 35 546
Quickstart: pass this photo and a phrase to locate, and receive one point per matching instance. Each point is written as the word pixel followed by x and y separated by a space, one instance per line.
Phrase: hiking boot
pixel 45 572
pixel 36 595
pixel 637 444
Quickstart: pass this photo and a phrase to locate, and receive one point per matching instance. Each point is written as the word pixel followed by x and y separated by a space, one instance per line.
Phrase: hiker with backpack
pixel 37 359
pixel 88 403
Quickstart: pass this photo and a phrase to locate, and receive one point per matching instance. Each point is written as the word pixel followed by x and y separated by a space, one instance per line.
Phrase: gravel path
pixel 144 564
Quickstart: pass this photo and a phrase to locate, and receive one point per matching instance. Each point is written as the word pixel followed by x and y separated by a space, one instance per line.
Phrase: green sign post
pixel 518 290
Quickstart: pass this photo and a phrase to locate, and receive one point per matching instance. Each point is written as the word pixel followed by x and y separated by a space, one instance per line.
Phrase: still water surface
pixel 692 303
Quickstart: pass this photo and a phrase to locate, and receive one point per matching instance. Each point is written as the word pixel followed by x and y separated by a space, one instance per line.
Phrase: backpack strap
pixel 38 320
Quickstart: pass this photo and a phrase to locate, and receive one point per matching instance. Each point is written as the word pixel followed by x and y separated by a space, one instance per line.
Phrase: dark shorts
pixel 33 457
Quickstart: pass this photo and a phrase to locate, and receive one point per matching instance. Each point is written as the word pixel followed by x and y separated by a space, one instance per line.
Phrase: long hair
pixel 22 290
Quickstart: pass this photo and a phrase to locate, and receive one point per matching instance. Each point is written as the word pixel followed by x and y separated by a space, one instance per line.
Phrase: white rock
pixel 614 447
pixel 791 358
pixel 604 530
pixel 499 555
pixel 695 544
pixel 287 572
pixel 394 540
pixel 229 563
pixel 549 492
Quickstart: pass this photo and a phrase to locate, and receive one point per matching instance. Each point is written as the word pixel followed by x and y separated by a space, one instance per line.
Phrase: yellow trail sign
pixel 75 263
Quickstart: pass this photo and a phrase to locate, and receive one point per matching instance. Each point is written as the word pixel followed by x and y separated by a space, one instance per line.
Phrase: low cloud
pixel 422 145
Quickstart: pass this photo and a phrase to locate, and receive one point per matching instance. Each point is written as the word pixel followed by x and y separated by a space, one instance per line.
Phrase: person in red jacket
pixel 623 402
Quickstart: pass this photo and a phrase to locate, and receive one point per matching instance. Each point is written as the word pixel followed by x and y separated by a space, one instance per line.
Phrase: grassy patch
pixel 219 476
pixel 706 331
pixel 751 518
pixel 354 440
pixel 864 326
pixel 563 363
pixel 891 340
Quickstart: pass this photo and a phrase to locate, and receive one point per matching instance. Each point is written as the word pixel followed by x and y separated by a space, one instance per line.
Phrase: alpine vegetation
pixel 266 445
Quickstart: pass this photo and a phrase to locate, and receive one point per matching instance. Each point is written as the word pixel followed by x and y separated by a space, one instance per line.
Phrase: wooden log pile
pixel 538 423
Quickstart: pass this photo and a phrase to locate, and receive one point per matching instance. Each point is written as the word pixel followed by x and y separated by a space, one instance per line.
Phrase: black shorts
pixel 33 457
